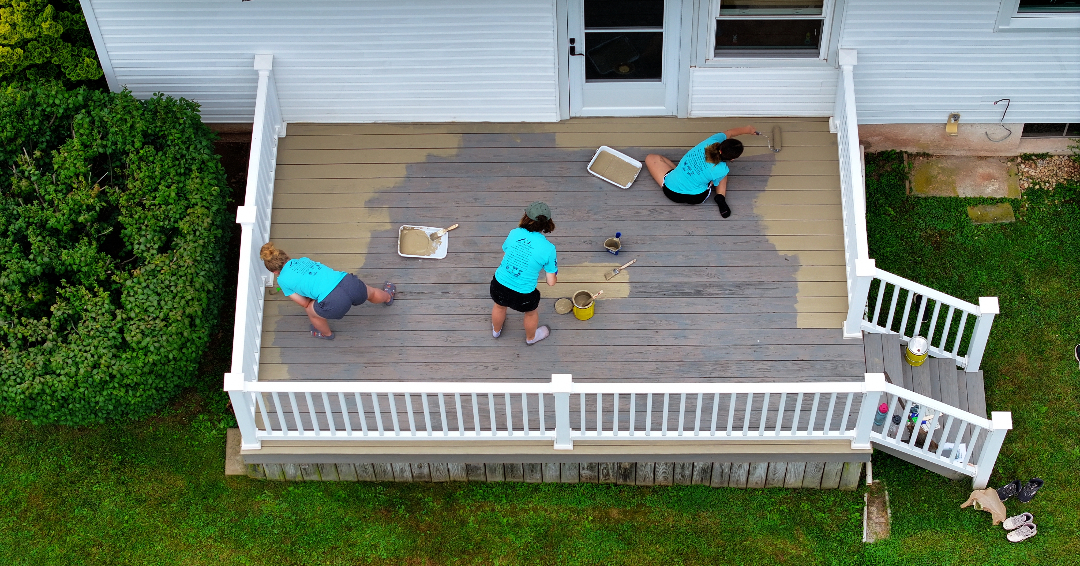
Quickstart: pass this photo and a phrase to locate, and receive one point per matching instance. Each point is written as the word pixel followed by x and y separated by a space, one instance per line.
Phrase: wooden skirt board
pixel 760 296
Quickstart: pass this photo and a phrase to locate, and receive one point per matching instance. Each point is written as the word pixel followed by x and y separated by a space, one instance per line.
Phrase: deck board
pixel 760 296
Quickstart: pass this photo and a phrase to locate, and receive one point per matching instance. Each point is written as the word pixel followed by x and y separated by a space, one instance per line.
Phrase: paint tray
pixel 614 167
pixel 438 253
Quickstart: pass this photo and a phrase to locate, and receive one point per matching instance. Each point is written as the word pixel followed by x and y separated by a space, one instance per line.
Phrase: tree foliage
pixel 39 42
pixel 110 251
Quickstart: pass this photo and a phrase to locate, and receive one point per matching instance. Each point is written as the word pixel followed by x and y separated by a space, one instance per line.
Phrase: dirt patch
pixel 878 516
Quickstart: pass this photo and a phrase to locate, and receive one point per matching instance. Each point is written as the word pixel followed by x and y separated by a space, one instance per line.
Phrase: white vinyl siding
pixel 763 91
pixel 341 60
pixel 921 60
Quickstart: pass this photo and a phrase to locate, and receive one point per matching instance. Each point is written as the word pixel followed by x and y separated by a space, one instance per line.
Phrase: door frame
pixel 683 52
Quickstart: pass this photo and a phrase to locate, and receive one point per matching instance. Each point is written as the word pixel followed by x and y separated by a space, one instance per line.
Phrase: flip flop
pixel 1017 521
pixel 319 335
pixel 1025 532
pixel 392 289
pixel 1009 490
pixel 1027 493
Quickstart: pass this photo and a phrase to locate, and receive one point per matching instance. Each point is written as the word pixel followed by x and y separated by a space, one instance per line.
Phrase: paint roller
pixel 773 139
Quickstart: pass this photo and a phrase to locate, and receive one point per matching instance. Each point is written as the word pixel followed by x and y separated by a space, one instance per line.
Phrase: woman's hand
pixel 745 130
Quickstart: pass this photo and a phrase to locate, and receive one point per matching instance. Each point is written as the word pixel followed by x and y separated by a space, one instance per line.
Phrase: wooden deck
pixel 759 296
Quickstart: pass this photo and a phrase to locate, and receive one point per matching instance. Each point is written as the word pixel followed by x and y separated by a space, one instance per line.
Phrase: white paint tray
pixel 615 167
pixel 440 253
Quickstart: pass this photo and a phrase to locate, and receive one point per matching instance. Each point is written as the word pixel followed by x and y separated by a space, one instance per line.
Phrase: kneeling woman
pixel 527 251
pixel 699 171
pixel 323 292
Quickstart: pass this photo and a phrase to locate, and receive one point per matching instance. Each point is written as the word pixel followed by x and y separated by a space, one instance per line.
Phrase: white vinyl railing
pixel 254 219
pixel 948 330
pixel 941 434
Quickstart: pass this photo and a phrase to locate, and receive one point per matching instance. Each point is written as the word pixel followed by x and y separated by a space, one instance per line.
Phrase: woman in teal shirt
pixel 527 251
pixel 323 292
pixel 700 170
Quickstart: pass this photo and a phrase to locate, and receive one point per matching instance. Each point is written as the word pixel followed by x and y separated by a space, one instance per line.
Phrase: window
pixel 1039 14
pixel 769 28
pixel 1051 131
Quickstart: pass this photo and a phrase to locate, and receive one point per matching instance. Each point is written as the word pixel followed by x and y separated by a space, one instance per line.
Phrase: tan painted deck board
pixel 759 296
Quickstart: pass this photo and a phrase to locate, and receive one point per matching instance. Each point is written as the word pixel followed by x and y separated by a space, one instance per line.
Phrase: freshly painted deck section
pixel 758 296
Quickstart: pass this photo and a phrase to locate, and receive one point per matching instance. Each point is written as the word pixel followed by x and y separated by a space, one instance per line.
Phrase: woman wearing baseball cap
pixel 526 252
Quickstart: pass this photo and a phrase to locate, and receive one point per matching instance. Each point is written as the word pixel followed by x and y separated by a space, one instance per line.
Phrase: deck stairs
pixel 937 378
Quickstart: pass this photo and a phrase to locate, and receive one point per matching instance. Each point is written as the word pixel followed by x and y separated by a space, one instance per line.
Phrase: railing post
pixel 245 412
pixel 865 269
pixel 1002 423
pixel 875 386
pixel 988 307
pixel 561 386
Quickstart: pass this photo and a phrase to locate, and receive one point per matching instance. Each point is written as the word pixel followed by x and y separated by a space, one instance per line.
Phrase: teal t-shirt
pixel 526 253
pixel 309 278
pixel 693 174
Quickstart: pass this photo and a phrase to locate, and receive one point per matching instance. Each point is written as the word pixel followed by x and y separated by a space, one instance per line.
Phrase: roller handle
pixel 445 230
pixel 627 264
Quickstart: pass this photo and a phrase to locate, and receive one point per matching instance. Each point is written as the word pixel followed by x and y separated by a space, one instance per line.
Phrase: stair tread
pixel 938 378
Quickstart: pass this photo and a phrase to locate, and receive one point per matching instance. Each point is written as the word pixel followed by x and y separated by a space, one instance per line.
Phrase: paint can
pixel 583 305
pixel 613 245
pixel 563 306
pixel 916 351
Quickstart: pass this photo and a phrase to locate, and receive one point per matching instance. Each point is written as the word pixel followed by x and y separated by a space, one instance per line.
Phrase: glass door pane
pixel 624 40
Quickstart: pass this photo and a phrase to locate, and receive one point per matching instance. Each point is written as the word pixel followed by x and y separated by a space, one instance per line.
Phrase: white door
pixel 624 57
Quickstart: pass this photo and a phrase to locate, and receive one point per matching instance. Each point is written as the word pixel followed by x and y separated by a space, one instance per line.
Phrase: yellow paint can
pixel 583 305
pixel 916 351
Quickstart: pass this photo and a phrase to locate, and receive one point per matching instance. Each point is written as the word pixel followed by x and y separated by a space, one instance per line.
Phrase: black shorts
pixel 687 199
pixel 511 299
pixel 349 292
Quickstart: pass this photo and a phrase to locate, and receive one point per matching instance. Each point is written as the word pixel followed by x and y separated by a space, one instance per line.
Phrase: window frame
pixel 1011 19
pixel 710 13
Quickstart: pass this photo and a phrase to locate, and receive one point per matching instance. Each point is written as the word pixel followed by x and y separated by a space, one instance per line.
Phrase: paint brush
pixel 442 231
pixel 617 270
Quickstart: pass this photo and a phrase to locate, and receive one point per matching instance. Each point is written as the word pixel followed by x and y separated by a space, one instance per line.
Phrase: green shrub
pixel 42 41
pixel 110 252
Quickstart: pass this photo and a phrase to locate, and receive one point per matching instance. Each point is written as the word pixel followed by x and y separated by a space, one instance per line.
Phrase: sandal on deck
pixel 1025 532
pixel 1017 521
pixel 1009 490
pixel 392 290
pixel 319 335
pixel 1027 493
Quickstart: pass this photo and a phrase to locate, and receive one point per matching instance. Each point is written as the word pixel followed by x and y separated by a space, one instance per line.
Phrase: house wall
pixel 764 91
pixel 919 60
pixel 339 60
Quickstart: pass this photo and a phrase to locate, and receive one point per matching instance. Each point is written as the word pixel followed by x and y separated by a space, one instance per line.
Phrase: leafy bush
pixel 38 42
pixel 110 252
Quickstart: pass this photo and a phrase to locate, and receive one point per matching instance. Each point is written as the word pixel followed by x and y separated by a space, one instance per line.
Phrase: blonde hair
pixel 713 154
pixel 273 258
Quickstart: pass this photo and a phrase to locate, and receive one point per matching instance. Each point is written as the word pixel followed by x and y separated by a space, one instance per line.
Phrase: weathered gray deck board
pixel 759 296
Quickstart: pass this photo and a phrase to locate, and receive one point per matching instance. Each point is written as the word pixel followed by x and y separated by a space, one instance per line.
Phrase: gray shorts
pixel 349 292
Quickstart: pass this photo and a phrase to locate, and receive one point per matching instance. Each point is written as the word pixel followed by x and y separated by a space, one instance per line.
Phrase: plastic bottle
pixel 882 412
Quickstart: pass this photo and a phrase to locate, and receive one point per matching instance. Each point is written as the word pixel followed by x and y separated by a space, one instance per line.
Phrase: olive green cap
pixel 538 209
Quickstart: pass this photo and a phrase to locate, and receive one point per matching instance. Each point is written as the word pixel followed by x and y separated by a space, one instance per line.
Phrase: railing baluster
pixel 648 416
pixel 393 413
pixel 764 414
pixel 442 414
pixel 697 415
pixel 491 413
pixel 615 415
pixel 296 413
pixel 945 437
pixel 663 431
pixel 915 427
pixel 427 412
pixel 599 413
pixel 829 417
pixel 933 322
pixel 813 414
pixel 378 413
pixel 361 414
pixel 329 414
pixel 460 417
pixel 892 308
pixel 682 412
pixel 731 412
pixel 260 400
pixel 540 401
pixel 280 414
pixel 907 312
pixel 877 307
pixel 780 414
pixel 944 341
pixel 633 414
pixel 746 415
pixel 715 408
pixel 525 413
pixel 581 413
pixel 509 415
pixel 475 415
pixel 345 414
pixel 976 431
pixel 959 334
pixel 798 411
pixel 409 411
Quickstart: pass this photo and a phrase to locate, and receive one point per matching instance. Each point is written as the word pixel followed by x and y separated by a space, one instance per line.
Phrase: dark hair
pixel 541 224
pixel 723 151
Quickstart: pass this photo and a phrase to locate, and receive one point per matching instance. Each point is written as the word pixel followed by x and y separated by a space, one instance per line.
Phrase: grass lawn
pixel 152 492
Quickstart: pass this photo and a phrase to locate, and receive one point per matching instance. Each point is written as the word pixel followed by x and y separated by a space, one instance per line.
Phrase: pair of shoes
pixel 721 202
pixel 1021 527
pixel 495 334
pixel 1024 493
pixel 319 335
pixel 392 289
pixel 541 333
